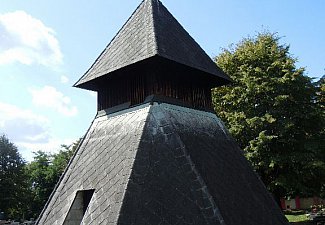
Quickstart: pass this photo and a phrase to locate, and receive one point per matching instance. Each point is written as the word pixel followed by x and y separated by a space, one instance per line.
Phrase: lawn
pixel 297 218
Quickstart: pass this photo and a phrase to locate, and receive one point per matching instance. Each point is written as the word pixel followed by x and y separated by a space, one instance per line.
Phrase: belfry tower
pixel 156 153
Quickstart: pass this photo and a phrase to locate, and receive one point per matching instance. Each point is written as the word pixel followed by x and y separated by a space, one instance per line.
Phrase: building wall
pixel 301 203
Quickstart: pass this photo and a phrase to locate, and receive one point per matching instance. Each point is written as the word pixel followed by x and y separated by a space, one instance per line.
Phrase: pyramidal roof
pixel 161 164
pixel 151 31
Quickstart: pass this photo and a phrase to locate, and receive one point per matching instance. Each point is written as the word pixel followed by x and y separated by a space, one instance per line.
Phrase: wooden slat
pixel 135 88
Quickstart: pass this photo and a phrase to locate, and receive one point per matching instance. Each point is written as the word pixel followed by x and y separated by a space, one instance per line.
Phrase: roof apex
pixel 151 31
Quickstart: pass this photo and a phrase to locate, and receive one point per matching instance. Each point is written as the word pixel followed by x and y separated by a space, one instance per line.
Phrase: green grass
pixel 297 218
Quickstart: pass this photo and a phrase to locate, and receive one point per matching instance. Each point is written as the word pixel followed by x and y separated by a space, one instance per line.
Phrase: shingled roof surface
pixel 162 164
pixel 151 31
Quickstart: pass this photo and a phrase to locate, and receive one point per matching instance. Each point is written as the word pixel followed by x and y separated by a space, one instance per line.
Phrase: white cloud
pixel 64 79
pixel 23 125
pixel 27 40
pixel 29 131
pixel 52 146
pixel 50 97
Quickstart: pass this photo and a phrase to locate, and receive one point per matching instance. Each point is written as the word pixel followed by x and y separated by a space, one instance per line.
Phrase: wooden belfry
pixel 156 153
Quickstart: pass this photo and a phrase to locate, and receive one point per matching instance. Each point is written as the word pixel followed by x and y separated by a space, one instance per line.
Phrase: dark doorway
pixel 79 207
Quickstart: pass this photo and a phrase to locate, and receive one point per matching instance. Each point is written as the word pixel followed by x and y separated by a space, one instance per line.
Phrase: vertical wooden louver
pixel 136 86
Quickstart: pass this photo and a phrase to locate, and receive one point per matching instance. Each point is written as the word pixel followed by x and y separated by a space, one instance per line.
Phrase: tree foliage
pixel 41 182
pixel 320 101
pixel 271 111
pixel 13 185
pixel 44 173
pixel 25 187
pixel 320 92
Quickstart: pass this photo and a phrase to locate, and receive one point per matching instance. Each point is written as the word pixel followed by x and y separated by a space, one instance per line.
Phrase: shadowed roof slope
pixel 151 31
pixel 162 164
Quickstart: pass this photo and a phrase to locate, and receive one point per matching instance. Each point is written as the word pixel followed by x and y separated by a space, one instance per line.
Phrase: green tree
pixel 61 160
pixel 41 184
pixel 270 110
pixel 13 183
pixel 320 100
pixel 320 94
pixel 44 173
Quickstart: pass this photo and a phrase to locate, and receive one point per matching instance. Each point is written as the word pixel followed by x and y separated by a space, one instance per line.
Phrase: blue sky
pixel 46 46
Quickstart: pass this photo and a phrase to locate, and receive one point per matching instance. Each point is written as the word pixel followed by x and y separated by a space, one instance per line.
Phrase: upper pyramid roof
pixel 151 31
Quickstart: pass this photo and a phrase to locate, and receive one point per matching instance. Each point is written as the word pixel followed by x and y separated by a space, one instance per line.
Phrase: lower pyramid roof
pixel 162 164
